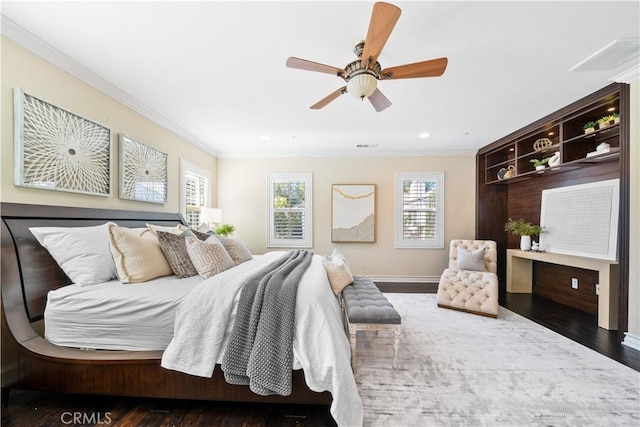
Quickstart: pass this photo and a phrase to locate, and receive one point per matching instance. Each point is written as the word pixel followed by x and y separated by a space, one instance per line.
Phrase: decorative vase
pixel 555 159
pixel 525 243
pixel 539 168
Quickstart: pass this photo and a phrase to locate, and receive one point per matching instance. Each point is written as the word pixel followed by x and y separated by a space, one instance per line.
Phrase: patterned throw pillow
pixel 209 257
pixel 175 250
pixel 200 235
pixel 238 251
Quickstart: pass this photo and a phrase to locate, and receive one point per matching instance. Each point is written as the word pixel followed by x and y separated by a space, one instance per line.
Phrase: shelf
pixel 594 134
pixel 612 154
pixel 566 136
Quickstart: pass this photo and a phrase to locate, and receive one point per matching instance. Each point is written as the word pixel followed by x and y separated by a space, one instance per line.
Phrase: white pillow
pixel 81 252
pixel 336 254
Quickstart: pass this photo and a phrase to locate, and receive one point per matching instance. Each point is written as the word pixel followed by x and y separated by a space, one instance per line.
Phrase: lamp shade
pixel 362 85
pixel 211 215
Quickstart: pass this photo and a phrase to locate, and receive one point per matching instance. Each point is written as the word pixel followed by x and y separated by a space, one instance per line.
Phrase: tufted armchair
pixel 470 283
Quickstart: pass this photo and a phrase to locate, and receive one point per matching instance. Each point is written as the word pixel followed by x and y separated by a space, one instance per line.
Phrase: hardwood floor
pixel 32 408
pixel 574 324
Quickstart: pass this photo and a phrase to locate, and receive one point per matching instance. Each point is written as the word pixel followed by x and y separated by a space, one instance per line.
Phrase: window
pixel 194 187
pixel 420 210
pixel 290 210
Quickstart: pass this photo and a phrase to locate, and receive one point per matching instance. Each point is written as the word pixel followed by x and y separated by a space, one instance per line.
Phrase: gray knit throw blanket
pixel 260 349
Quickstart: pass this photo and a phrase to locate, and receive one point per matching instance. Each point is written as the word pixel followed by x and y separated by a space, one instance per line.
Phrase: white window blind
pixel 290 210
pixel 419 210
pixel 194 186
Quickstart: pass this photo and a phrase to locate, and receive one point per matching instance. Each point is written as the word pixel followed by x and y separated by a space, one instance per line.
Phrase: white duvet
pixel 204 319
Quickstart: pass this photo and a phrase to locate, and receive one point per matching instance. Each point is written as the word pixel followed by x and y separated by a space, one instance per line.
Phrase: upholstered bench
pixel 470 283
pixel 367 309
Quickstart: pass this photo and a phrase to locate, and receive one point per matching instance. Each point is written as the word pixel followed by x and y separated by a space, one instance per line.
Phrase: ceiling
pixel 214 72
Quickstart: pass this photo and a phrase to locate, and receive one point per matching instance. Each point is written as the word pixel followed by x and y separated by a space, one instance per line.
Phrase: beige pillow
pixel 208 257
pixel 338 273
pixel 177 229
pixel 138 257
pixel 237 250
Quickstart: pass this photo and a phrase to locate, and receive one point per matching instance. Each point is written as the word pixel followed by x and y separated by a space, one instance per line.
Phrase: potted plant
pixel 523 229
pixel 616 118
pixel 225 229
pixel 589 127
pixel 606 121
pixel 539 164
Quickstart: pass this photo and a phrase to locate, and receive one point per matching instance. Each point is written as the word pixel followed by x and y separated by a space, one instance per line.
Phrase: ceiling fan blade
pixel 383 19
pixel 303 64
pixel 430 68
pixel 327 99
pixel 379 101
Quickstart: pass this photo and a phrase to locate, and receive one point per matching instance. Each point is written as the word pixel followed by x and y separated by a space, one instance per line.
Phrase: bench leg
pixel 352 341
pixel 396 345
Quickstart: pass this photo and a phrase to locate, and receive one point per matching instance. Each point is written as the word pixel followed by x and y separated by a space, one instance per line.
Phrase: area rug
pixel 460 369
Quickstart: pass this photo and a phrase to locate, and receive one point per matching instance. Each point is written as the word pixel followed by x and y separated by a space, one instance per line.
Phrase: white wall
pixel 23 69
pixel 242 189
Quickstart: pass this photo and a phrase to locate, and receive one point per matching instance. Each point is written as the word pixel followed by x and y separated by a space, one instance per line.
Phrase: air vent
pixel 366 145
pixel 611 56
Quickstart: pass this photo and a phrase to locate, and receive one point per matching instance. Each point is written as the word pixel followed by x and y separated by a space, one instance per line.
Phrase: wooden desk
pixel 520 278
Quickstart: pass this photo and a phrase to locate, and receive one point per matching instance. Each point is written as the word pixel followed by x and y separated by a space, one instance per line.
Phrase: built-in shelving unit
pixel 518 193
pixel 564 136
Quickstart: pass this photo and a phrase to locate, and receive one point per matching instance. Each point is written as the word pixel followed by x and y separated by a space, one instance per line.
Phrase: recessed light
pixel 611 109
pixel 550 133
pixel 424 135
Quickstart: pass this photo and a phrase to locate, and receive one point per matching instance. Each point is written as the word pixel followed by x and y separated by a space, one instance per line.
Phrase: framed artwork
pixel 143 171
pixel 59 150
pixel 353 213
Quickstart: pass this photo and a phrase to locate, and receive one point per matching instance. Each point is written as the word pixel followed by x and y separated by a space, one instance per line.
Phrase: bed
pixel 29 361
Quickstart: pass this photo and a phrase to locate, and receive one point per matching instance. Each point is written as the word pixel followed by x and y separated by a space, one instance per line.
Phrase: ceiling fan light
pixel 362 85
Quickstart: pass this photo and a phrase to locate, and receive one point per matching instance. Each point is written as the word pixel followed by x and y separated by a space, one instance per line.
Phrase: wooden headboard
pixel 27 268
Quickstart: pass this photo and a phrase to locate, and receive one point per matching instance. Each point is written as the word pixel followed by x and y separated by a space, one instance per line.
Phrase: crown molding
pixel 31 42
pixel 345 154
pixel 628 76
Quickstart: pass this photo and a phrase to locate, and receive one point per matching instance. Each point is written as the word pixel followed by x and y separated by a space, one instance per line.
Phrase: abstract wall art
pixel 353 215
pixel 143 171
pixel 59 150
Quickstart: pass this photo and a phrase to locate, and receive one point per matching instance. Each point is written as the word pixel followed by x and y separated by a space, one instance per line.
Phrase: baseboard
pixel 631 340
pixel 405 279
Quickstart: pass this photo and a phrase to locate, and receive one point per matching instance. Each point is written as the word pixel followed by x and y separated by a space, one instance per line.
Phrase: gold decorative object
pixel 541 144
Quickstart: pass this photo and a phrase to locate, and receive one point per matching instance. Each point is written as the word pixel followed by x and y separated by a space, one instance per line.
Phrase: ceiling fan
pixel 362 75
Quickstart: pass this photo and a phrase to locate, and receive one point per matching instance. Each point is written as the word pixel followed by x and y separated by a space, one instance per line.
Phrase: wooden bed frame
pixel 32 363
